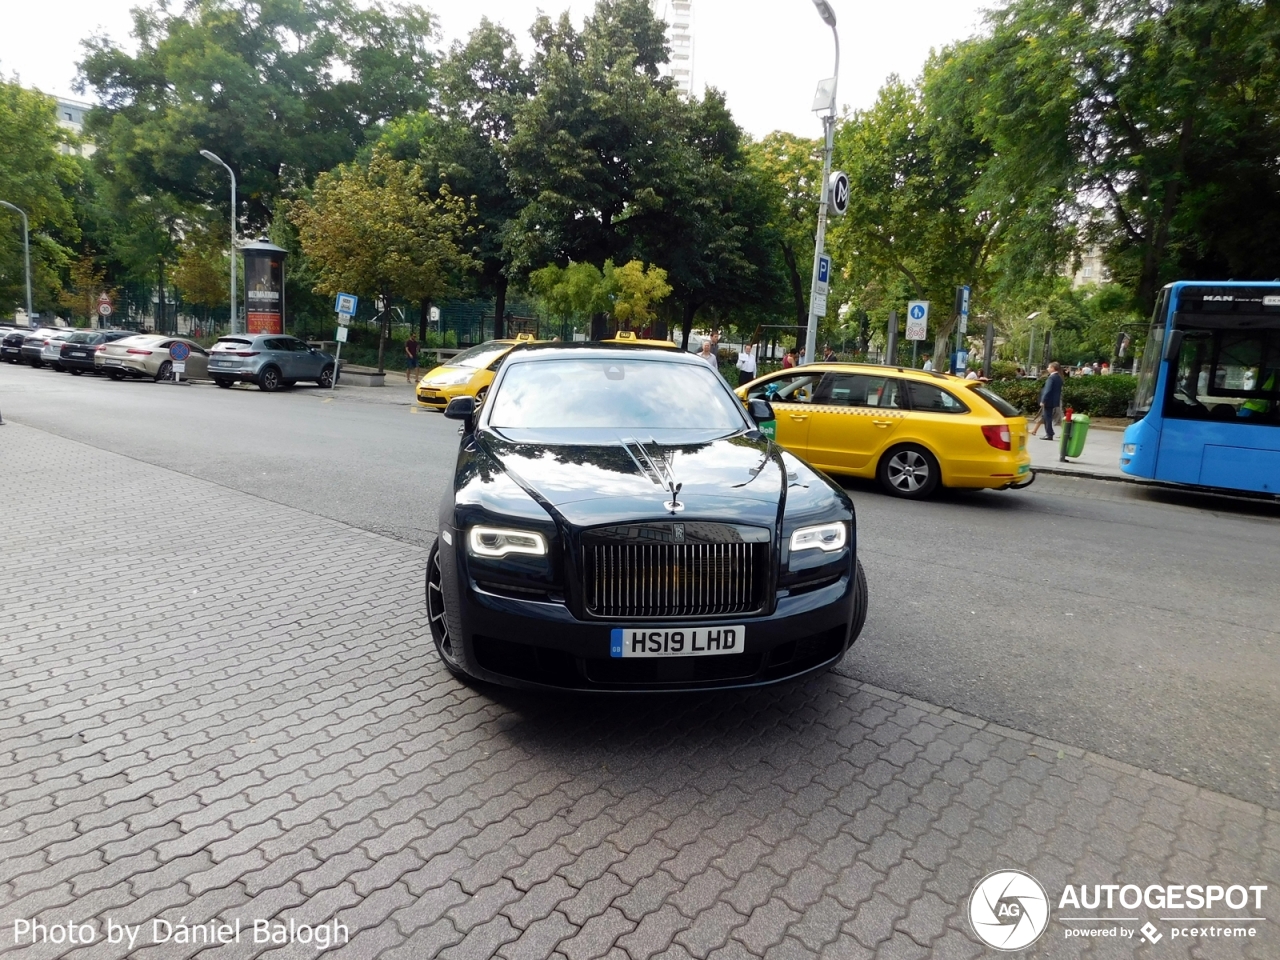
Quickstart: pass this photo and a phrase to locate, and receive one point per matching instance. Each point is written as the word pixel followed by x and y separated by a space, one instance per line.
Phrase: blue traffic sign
pixel 824 269
pixel 917 311
pixel 179 351
pixel 346 304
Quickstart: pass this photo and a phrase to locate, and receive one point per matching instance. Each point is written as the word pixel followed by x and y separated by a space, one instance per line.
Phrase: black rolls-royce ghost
pixel 619 522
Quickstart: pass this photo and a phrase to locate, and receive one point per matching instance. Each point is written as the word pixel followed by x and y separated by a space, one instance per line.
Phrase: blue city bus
pixel 1208 394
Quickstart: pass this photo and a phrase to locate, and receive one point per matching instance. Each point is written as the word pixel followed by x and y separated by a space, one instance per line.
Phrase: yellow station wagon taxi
pixel 909 429
pixel 469 374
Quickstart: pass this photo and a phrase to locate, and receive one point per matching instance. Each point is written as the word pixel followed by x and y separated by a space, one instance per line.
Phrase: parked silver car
pixel 271 361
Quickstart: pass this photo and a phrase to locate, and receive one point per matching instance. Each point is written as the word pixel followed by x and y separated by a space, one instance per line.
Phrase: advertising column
pixel 264 287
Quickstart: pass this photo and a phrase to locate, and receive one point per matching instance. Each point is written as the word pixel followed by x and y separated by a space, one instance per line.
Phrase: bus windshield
pixel 1149 368
pixel 1226 372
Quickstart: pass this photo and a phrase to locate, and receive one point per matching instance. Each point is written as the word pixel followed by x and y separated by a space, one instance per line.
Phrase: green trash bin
pixel 1074 432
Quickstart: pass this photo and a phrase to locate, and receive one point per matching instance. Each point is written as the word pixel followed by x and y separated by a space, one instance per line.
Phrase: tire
pixel 908 471
pixel 481 394
pixel 115 374
pixel 55 367
pixel 37 364
pixel 269 380
pixel 442 624
pixel 223 383
pixel 165 372
pixel 326 376
pixel 75 373
pixel 859 602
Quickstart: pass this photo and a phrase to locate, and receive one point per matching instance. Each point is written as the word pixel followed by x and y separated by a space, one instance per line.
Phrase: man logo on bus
pixel 1009 910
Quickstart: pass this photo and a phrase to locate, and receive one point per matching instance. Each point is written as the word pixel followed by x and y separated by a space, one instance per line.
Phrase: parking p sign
pixel 918 320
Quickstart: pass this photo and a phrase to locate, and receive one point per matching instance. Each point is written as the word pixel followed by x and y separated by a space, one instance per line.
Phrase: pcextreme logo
pixel 1009 910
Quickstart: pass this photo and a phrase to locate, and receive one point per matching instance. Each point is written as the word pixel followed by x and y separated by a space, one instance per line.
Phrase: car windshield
pixel 480 356
pixel 616 393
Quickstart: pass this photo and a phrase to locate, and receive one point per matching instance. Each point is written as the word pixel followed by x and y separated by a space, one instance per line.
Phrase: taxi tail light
pixel 141 353
pixel 998 436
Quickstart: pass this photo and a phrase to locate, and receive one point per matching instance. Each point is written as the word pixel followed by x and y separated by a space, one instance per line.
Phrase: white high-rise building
pixel 679 17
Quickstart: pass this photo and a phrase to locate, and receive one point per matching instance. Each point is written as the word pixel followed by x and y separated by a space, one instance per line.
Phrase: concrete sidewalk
pixel 1100 457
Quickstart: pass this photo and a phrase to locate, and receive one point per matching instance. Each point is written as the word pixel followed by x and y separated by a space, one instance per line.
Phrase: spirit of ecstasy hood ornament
pixel 674 505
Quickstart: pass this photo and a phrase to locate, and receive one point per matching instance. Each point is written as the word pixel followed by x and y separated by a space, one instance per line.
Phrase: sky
pixel 766 55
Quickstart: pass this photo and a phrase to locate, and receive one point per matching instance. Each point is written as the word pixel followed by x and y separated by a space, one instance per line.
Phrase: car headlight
pixel 451 379
pixel 827 537
pixel 499 542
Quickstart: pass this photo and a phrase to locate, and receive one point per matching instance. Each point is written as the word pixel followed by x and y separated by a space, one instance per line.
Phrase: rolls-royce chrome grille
pixel 641 578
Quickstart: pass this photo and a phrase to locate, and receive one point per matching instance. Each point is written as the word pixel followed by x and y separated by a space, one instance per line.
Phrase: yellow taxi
pixel 909 429
pixel 469 374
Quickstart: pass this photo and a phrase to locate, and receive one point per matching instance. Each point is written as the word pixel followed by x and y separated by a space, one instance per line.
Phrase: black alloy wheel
pixel 438 615
pixel 326 376
pixel 269 380
pixel 165 372
pixel 908 471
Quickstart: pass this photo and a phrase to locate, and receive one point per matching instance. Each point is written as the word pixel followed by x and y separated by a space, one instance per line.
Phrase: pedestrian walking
pixel 410 358
pixel 746 364
pixel 1050 399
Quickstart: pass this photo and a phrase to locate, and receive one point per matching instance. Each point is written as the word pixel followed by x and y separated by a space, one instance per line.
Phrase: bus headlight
pixel 1130 449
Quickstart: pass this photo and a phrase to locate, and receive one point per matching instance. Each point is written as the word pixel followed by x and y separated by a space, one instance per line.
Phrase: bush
pixel 1096 396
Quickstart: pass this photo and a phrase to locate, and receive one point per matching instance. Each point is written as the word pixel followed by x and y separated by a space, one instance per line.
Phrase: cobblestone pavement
pixel 234 715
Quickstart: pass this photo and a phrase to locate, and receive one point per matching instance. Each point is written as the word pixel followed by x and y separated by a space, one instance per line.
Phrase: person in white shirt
pixel 707 357
pixel 928 363
pixel 971 375
pixel 746 364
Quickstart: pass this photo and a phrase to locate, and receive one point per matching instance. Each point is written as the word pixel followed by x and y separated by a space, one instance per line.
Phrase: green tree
pixel 789 169
pixel 281 91
pixel 37 176
pixel 633 289
pixel 202 273
pixel 377 231
pixel 1153 125
pixel 571 294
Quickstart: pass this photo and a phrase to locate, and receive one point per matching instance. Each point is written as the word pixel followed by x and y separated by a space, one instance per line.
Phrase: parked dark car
pixel 617 521
pixel 77 352
pixel 11 345
pixel 271 361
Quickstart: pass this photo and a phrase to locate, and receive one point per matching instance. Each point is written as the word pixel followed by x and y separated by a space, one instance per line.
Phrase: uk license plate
pixel 701 641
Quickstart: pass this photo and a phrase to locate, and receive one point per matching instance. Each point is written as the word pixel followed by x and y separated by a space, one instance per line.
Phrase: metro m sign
pixel 838 193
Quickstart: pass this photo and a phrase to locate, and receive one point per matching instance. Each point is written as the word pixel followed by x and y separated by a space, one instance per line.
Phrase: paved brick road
pixel 238 718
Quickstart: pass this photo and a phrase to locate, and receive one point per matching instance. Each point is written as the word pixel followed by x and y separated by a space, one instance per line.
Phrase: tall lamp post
pixel 26 251
pixel 824 99
pixel 1031 339
pixel 213 157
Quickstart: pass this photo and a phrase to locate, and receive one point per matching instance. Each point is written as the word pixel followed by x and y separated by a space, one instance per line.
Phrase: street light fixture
pixel 1032 339
pixel 26 252
pixel 214 158
pixel 825 99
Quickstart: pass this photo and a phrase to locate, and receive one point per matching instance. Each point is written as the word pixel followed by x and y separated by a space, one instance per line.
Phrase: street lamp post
pixel 213 157
pixel 26 251
pixel 825 99
pixel 1031 339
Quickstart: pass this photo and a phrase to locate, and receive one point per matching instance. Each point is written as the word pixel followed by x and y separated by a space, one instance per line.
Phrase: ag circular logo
pixel 1009 910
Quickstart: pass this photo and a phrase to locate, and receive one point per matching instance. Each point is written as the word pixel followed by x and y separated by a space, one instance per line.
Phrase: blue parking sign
pixel 824 269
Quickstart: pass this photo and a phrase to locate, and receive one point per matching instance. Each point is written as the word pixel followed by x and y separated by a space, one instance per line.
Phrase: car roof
pixel 590 349
pixel 911 373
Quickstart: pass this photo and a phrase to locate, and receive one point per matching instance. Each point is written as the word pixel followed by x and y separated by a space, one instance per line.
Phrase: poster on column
pixel 264 286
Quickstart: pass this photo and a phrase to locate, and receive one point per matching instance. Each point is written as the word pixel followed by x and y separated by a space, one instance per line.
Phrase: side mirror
pixel 1173 346
pixel 461 408
pixel 761 410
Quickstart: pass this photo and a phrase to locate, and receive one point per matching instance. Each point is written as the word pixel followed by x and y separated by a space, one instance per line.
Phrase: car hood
pixel 627 478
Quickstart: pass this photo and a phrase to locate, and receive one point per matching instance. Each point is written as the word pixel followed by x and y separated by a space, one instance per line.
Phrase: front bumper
pixel 541 644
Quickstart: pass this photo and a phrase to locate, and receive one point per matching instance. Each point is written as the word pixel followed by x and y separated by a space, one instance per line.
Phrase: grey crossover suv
pixel 272 361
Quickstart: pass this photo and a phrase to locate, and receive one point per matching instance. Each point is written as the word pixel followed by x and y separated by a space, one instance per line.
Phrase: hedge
pixel 1097 396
